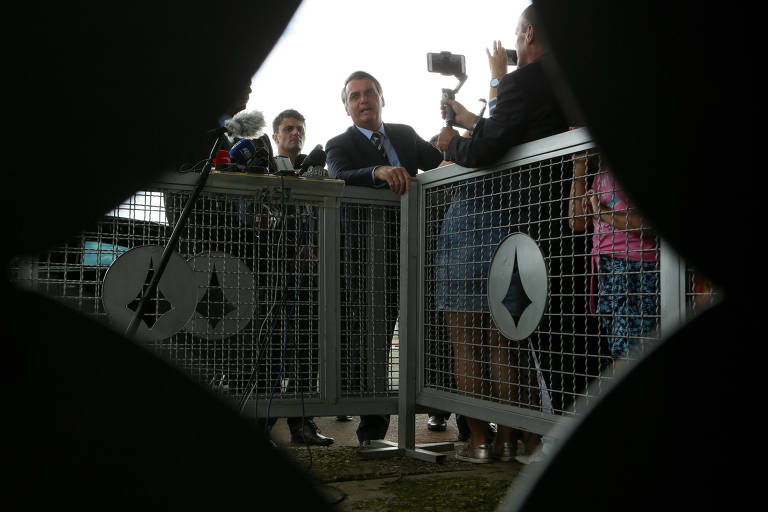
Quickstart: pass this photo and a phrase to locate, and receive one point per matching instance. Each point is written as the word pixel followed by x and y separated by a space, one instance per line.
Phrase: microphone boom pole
pixel 199 185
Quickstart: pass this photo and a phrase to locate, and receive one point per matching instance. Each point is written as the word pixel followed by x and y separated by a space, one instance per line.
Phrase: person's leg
pixel 639 307
pixel 606 306
pixel 353 313
pixel 294 425
pixel 620 305
pixel 504 382
pixel 467 339
pixel 503 366
pixel 463 428
pixel 478 431
pixel 352 307
pixel 649 294
pixel 372 427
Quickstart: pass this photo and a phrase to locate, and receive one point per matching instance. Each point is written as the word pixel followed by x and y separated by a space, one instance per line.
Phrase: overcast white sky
pixel 328 39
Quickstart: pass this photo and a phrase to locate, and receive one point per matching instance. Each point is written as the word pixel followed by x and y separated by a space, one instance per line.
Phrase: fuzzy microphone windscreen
pixel 246 124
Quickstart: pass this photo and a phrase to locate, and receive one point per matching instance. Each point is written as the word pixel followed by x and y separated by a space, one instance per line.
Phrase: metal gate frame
pixel 412 396
pixel 413 393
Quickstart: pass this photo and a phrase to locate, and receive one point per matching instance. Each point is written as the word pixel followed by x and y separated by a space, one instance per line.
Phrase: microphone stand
pixel 199 185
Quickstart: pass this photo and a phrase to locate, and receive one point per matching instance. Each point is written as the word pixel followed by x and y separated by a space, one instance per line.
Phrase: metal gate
pixel 274 297
pixel 303 296
pixel 611 289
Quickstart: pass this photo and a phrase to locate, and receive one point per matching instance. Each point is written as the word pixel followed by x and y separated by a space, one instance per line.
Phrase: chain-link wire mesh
pixel 369 306
pixel 603 275
pixel 700 293
pixel 267 290
pixel 253 330
pixel 255 268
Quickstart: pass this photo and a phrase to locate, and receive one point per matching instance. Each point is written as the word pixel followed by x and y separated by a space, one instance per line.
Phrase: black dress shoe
pixel 309 434
pixel 436 424
pixel 343 418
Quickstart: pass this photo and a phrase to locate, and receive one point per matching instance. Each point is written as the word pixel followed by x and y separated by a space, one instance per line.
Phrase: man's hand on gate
pixel 397 178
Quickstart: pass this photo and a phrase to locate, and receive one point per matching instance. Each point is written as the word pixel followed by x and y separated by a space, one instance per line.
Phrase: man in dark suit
pixel 354 158
pixel 526 108
pixel 384 156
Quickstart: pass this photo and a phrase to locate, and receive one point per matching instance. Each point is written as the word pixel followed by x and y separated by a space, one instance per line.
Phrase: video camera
pixel 511 57
pixel 448 64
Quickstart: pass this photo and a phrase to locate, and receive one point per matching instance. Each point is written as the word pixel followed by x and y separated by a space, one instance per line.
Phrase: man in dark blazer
pixel 354 158
pixel 526 108
pixel 377 155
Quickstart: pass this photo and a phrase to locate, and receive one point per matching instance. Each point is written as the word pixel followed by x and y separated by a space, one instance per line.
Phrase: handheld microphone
pixel 315 157
pixel 313 163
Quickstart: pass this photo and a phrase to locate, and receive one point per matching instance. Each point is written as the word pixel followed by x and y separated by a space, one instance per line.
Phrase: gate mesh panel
pixel 255 326
pixel 369 270
pixel 596 302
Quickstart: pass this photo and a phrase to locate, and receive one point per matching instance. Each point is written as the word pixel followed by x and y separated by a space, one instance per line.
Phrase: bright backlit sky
pixel 328 39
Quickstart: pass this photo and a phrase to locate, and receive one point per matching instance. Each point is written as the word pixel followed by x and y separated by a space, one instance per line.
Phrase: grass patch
pixel 439 494
pixel 343 464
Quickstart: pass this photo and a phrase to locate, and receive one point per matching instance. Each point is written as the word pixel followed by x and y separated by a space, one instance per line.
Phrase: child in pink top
pixel 624 254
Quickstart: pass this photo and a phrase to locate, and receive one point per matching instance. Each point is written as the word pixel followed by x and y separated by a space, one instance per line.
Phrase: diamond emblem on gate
pixel 214 305
pixel 157 306
pixel 516 300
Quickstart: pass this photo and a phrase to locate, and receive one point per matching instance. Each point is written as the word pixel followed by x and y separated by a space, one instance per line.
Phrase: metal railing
pixel 274 297
pixel 295 296
pixel 609 289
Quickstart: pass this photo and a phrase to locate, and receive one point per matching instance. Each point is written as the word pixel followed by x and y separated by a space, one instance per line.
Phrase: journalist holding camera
pixel 525 107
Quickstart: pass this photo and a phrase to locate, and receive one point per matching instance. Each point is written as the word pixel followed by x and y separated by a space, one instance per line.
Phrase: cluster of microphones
pixel 252 153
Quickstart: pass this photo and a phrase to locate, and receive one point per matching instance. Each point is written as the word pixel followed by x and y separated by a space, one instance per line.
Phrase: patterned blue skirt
pixel 628 304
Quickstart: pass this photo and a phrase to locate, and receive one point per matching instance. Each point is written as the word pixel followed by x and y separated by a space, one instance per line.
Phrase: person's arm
pixel 577 219
pixel 491 137
pixel 627 219
pixel 340 166
pixel 429 156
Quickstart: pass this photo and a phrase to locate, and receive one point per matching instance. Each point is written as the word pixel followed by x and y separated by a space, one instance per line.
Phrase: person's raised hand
pixel 593 203
pixel 497 60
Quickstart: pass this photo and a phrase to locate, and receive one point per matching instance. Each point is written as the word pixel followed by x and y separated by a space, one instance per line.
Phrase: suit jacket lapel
pixel 367 154
pixel 402 144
